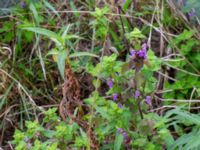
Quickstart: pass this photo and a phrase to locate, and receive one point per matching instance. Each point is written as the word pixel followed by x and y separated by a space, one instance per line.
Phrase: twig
pixel 179 100
pixel 25 91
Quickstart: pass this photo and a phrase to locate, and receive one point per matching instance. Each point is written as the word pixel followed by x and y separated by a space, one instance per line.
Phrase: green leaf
pixel 53 52
pixel 61 62
pixel 21 145
pixel 154 61
pixel 166 136
pixel 188 141
pixel 50 115
pixel 187 47
pixel 48 133
pixel 74 8
pixel 136 33
pixel 79 54
pixel 48 5
pixel 35 13
pixel 18 136
pixel 184 36
pixel 65 30
pixel 184 117
pixel 71 36
pixel 103 112
pixel 118 141
pixel 3 99
pixel 100 12
pixel 81 141
pixel 53 146
pixel 50 34
pixel 126 5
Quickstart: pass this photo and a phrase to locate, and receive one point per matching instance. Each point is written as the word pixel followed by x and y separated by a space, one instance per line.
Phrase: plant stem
pixel 140 110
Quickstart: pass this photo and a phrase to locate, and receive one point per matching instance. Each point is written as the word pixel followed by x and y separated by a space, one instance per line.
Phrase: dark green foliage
pixel 137 65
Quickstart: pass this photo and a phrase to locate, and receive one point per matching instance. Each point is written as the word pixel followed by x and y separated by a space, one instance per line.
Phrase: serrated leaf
pixel 186 34
pixel 136 33
pixel 154 62
pixel 48 133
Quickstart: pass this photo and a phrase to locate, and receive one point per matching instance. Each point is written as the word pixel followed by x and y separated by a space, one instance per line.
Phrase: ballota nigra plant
pixel 123 75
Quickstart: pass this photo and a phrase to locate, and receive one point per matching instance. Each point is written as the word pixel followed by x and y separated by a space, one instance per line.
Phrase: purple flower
pixel 23 4
pixel 192 13
pixel 137 94
pixel 110 83
pixel 144 46
pixel 133 52
pixel 123 2
pixel 120 130
pixel 115 96
pixel 29 145
pixel 125 135
pixel 120 105
pixel 143 52
pixel 148 100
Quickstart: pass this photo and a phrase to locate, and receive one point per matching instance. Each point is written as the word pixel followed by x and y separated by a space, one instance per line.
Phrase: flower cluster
pixel 147 100
pixel 115 95
pixel 141 53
